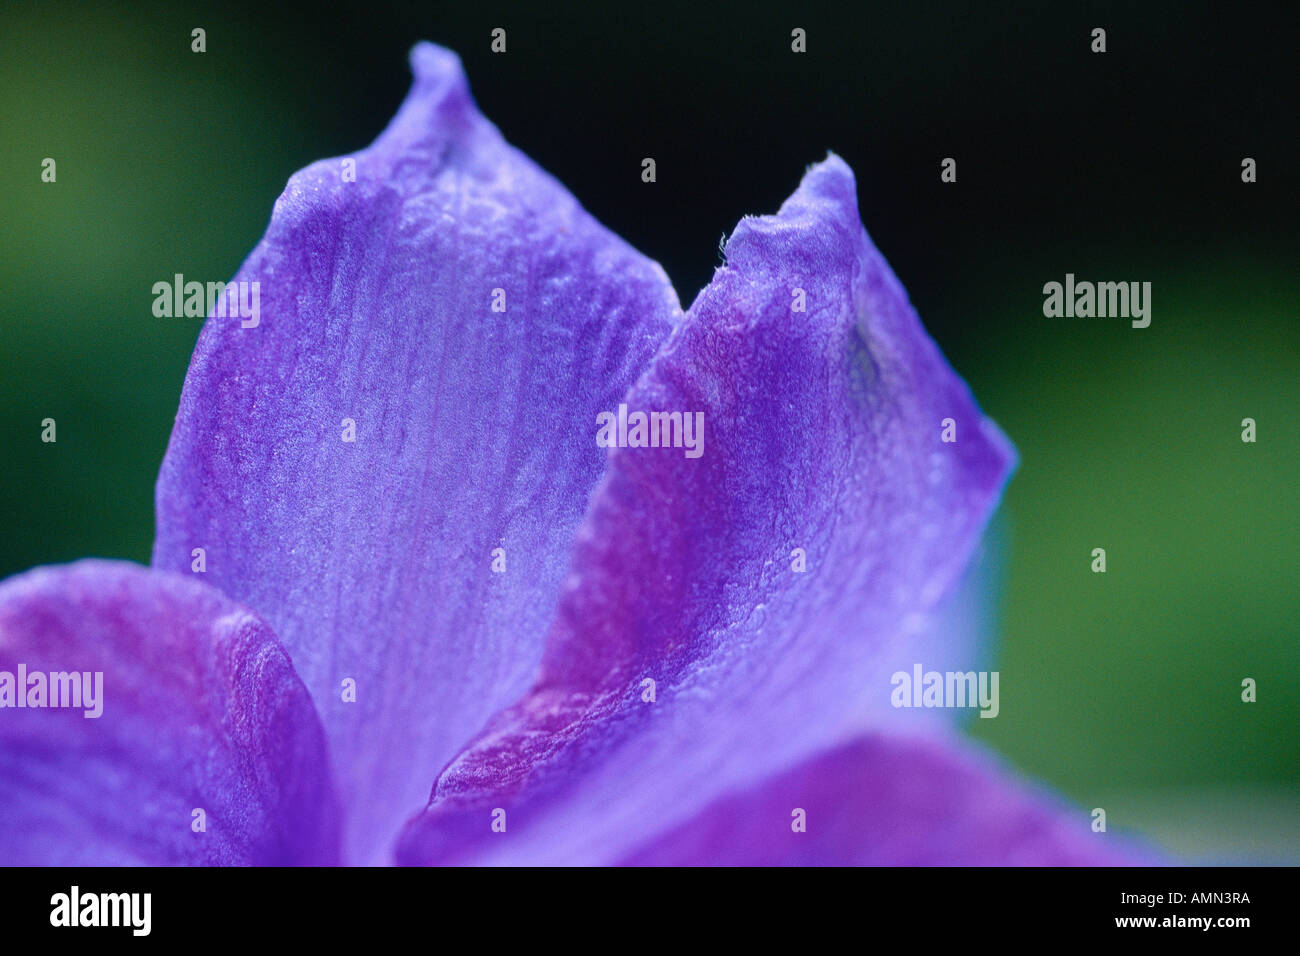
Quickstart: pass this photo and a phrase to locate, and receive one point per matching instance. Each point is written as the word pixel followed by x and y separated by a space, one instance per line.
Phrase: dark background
pixel 1122 689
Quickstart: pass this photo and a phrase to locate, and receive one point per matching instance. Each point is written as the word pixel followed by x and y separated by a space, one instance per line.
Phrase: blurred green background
pixel 1122 689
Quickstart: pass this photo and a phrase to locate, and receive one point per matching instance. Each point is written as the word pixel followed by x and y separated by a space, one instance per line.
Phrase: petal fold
pixel 199 709
pixel 391 464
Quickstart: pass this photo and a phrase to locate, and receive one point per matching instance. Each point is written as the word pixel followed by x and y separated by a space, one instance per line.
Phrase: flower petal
pixel 474 430
pixel 823 432
pixel 200 709
pixel 882 801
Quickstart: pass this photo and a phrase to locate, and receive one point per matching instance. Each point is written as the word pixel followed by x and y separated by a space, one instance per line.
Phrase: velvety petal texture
pixel 199 709
pixel 769 587
pixel 391 465
pixel 882 801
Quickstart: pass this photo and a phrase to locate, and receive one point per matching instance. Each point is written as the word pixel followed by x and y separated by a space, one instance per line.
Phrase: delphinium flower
pixel 405 607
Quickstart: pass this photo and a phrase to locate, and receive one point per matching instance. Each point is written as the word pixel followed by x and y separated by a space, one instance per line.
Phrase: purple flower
pixel 393 554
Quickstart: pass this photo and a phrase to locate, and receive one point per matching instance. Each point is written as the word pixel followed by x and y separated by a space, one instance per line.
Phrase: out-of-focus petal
pixel 474 430
pixel 823 432
pixel 199 709
pixel 882 801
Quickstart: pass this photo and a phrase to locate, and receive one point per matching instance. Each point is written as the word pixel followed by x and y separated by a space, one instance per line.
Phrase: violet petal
pixel 823 432
pixel 373 559
pixel 884 801
pixel 199 709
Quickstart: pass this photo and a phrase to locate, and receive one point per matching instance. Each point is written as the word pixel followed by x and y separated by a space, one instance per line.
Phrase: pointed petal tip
pixel 438 70
pixel 438 108
pixel 831 179
pixel 430 61
pixel 820 217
